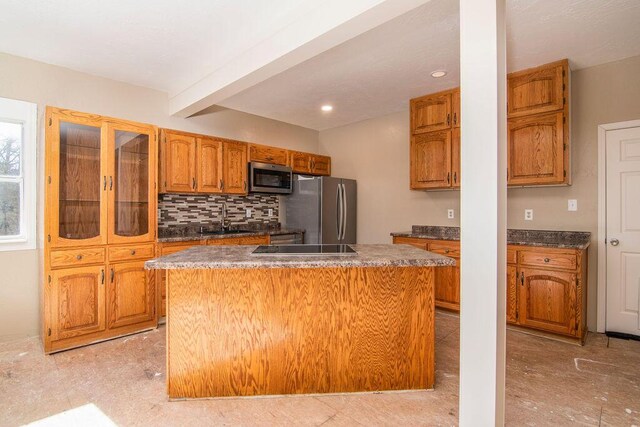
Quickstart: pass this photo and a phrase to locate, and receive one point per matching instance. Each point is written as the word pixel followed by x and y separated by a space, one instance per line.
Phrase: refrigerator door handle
pixel 344 217
pixel 338 212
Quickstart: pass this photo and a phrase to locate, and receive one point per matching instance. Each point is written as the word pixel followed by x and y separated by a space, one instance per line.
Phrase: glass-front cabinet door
pixel 76 179
pixel 131 182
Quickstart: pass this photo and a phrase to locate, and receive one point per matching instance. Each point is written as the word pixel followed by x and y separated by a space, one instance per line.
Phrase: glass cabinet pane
pixel 80 186
pixel 131 183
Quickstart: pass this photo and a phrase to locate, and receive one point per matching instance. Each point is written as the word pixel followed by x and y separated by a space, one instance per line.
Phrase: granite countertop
pixel 191 234
pixel 219 257
pixel 543 238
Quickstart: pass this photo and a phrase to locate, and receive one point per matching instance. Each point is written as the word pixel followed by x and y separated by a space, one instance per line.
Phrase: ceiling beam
pixel 333 22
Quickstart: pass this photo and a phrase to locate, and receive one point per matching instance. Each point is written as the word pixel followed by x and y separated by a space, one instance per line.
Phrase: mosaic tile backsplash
pixel 175 210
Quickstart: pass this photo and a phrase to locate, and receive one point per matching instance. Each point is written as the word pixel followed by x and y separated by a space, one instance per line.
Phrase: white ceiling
pixel 378 72
pixel 171 45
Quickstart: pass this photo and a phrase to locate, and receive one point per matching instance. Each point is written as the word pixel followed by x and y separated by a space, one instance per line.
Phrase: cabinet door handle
pixel 522 279
pixel 110 183
pixel 221 184
pixel 105 183
pixel 112 275
pixel 448 119
pixel 102 277
pixel 244 185
pixel 193 183
pixel 455 177
pixel 448 177
pixel 455 118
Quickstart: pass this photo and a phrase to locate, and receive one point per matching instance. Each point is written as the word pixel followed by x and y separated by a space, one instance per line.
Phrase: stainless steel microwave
pixel 268 178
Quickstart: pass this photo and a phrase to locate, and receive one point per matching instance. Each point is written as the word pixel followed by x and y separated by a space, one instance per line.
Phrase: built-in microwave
pixel 268 178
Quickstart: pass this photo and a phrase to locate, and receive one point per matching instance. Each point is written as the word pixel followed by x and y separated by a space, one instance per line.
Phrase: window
pixel 17 175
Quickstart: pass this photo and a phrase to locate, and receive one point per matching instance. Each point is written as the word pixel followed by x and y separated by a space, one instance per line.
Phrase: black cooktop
pixel 304 250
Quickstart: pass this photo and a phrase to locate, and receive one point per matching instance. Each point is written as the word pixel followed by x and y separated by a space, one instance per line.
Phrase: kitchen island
pixel 240 324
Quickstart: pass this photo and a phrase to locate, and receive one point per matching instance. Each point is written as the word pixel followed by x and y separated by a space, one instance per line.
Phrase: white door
pixel 623 230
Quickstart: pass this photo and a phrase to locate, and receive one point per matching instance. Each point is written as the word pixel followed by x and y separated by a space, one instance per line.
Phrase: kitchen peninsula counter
pixel 240 324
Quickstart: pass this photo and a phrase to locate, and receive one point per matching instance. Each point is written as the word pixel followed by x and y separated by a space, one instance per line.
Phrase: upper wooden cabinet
pixel 266 154
pixel 430 165
pixel 431 113
pixel 538 131
pixel 101 178
pixel 535 149
pixel 191 163
pixel 537 90
pixel 234 170
pixel 309 164
pixel 210 166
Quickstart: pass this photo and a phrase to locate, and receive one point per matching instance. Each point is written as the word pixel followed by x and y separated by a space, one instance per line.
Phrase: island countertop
pixel 226 257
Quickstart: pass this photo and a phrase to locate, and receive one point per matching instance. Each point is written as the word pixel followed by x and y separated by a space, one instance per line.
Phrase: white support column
pixel 483 211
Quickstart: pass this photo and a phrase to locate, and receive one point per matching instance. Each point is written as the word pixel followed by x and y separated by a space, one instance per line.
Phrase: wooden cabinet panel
pixel 166 249
pixel 537 90
pixel 431 113
pixel 547 258
pixel 209 166
pixel 179 160
pixel 430 165
pixel 535 150
pixel 512 255
pixel 131 294
pixel 455 107
pixel 320 165
pixel 548 300
pixel 456 176
pixel 447 286
pixel 512 294
pixel 235 167
pixel 266 154
pixel 131 253
pixel 77 257
pixel 418 243
pixel 446 248
pixel 171 248
pixel 300 162
pixel 77 302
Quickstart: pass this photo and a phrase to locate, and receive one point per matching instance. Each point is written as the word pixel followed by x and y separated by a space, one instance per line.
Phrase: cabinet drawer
pixel 171 248
pixel 130 253
pixel 255 240
pixel 413 241
pixel 265 154
pixel 74 257
pixel 445 248
pixel 512 256
pixel 549 259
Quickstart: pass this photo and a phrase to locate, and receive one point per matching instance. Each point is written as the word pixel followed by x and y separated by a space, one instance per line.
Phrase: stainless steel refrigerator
pixel 325 207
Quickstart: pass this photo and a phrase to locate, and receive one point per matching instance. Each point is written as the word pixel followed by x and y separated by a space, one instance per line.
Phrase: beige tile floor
pixel 548 383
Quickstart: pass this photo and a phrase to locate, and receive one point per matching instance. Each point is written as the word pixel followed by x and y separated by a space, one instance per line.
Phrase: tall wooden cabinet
pixel 538 143
pixel 100 203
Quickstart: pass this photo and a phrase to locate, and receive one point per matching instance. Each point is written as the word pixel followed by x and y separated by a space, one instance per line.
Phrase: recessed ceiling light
pixel 326 108
pixel 438 74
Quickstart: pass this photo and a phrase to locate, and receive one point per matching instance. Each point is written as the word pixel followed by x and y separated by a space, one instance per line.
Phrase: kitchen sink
pixel 224 232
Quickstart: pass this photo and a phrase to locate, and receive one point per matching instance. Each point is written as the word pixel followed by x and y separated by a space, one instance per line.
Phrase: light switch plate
pixel 270 212
pixel 248 213
pixel 528 214
pixel 572 205
pixel 450 214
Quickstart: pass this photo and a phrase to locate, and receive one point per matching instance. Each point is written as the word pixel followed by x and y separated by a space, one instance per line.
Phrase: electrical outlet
pixel 248 213
pixel 450 214
pixel 572 205
pixel 528 214
pixel 270 212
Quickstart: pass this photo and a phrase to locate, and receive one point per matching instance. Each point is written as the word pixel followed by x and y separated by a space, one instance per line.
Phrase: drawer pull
pixel 133 251
pixel 79 257
pixel 547 260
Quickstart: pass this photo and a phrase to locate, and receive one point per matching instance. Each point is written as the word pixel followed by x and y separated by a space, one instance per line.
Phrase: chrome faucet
pixel 226 222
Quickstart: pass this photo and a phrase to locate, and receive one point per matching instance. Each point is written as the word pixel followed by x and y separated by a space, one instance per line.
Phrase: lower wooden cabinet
pixel 546 287
pixel 86 304
pixel 131 295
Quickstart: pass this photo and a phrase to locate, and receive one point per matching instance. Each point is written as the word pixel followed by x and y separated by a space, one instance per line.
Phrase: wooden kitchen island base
pixel 270 331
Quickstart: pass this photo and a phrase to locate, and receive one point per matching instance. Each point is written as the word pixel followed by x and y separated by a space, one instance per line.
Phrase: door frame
pixel 602 217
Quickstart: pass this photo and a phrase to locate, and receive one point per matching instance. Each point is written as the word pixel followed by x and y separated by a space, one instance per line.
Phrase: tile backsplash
pixel 189 209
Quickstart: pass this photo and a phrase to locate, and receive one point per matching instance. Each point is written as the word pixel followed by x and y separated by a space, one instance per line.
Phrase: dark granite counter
pixel 222 257
pixel 542 238
pixel 186 234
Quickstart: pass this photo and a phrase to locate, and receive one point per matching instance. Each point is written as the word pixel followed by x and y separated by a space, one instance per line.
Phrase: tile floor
pixel 548 383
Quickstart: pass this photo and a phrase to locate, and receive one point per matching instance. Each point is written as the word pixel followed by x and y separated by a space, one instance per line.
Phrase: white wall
pixel 45 84
pixel 376 153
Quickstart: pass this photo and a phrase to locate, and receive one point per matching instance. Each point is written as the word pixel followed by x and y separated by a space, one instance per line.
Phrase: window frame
pixel 25 113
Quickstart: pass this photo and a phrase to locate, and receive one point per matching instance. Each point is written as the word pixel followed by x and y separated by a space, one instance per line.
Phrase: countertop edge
pixel 198 237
